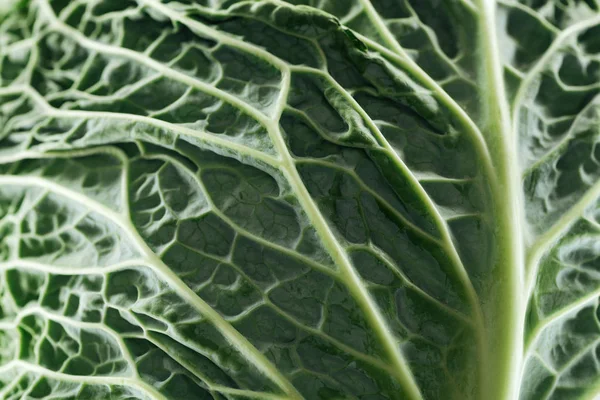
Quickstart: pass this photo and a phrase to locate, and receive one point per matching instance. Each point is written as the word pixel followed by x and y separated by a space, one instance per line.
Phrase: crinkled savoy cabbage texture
pixel 320 199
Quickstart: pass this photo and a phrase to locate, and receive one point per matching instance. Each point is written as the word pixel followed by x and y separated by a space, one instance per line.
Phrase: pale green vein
pixel 382 28
pixel 205 30
pixel 136 384
pixel 513 70
pixel 38 310
pixel 470 127
pixel 577 356
pixel 406 280
pixel 204 137
pixel 33 384
pixel 435 178
pixel 15 381
pixel 244 232
pixel 160 68
pixel 141 58
pixel 470 6
pixel 434 42
pixel 594 224
pixel 577 89
pixel 72 94
pixel 155 263
pixel 545 242
pixel 556 316
pixel 306 119
pixel 247 393
pixel 446 236
pixel 27 90
pixel 7 7
pixel 106 150
pixel 280 63
pixel 539 358
pixel 166 71
pixel 495 144
pixel 367 359
pixel 405 221
pixel 354 283
pixel 571 363
pixel 206 382
pixel 310 262
pixel 71 270
pixel 37 348
pixel 177 129
pixel 384 333
pixel 387 124
pixel 530 78
pixel 17 156
pixel 532 13
pixel 18 46
pixel 265 301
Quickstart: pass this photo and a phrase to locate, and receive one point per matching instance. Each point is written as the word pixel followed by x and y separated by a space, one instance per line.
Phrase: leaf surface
pixel 386 199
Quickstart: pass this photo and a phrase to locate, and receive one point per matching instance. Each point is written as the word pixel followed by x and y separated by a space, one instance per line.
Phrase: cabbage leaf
pixel 311 199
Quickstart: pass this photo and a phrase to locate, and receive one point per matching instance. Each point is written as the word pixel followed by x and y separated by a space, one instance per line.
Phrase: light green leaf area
pixel 312 199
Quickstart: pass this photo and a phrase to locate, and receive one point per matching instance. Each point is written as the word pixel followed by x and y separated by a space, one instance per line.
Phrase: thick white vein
pixel 38 310
pixel 545 242
pixel 559 315
pixel 206 138
pixel 133 383
pixel 542 63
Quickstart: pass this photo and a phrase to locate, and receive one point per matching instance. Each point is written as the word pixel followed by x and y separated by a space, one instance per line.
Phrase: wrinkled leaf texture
pixel 318 199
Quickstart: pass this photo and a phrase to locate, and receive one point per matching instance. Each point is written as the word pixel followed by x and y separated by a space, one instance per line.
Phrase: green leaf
pixel 312 199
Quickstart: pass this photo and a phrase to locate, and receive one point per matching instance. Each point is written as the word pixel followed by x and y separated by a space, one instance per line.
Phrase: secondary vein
pixel 154 262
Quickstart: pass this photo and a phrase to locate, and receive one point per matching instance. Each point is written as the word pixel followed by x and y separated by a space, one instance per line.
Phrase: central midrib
pixel 506 313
